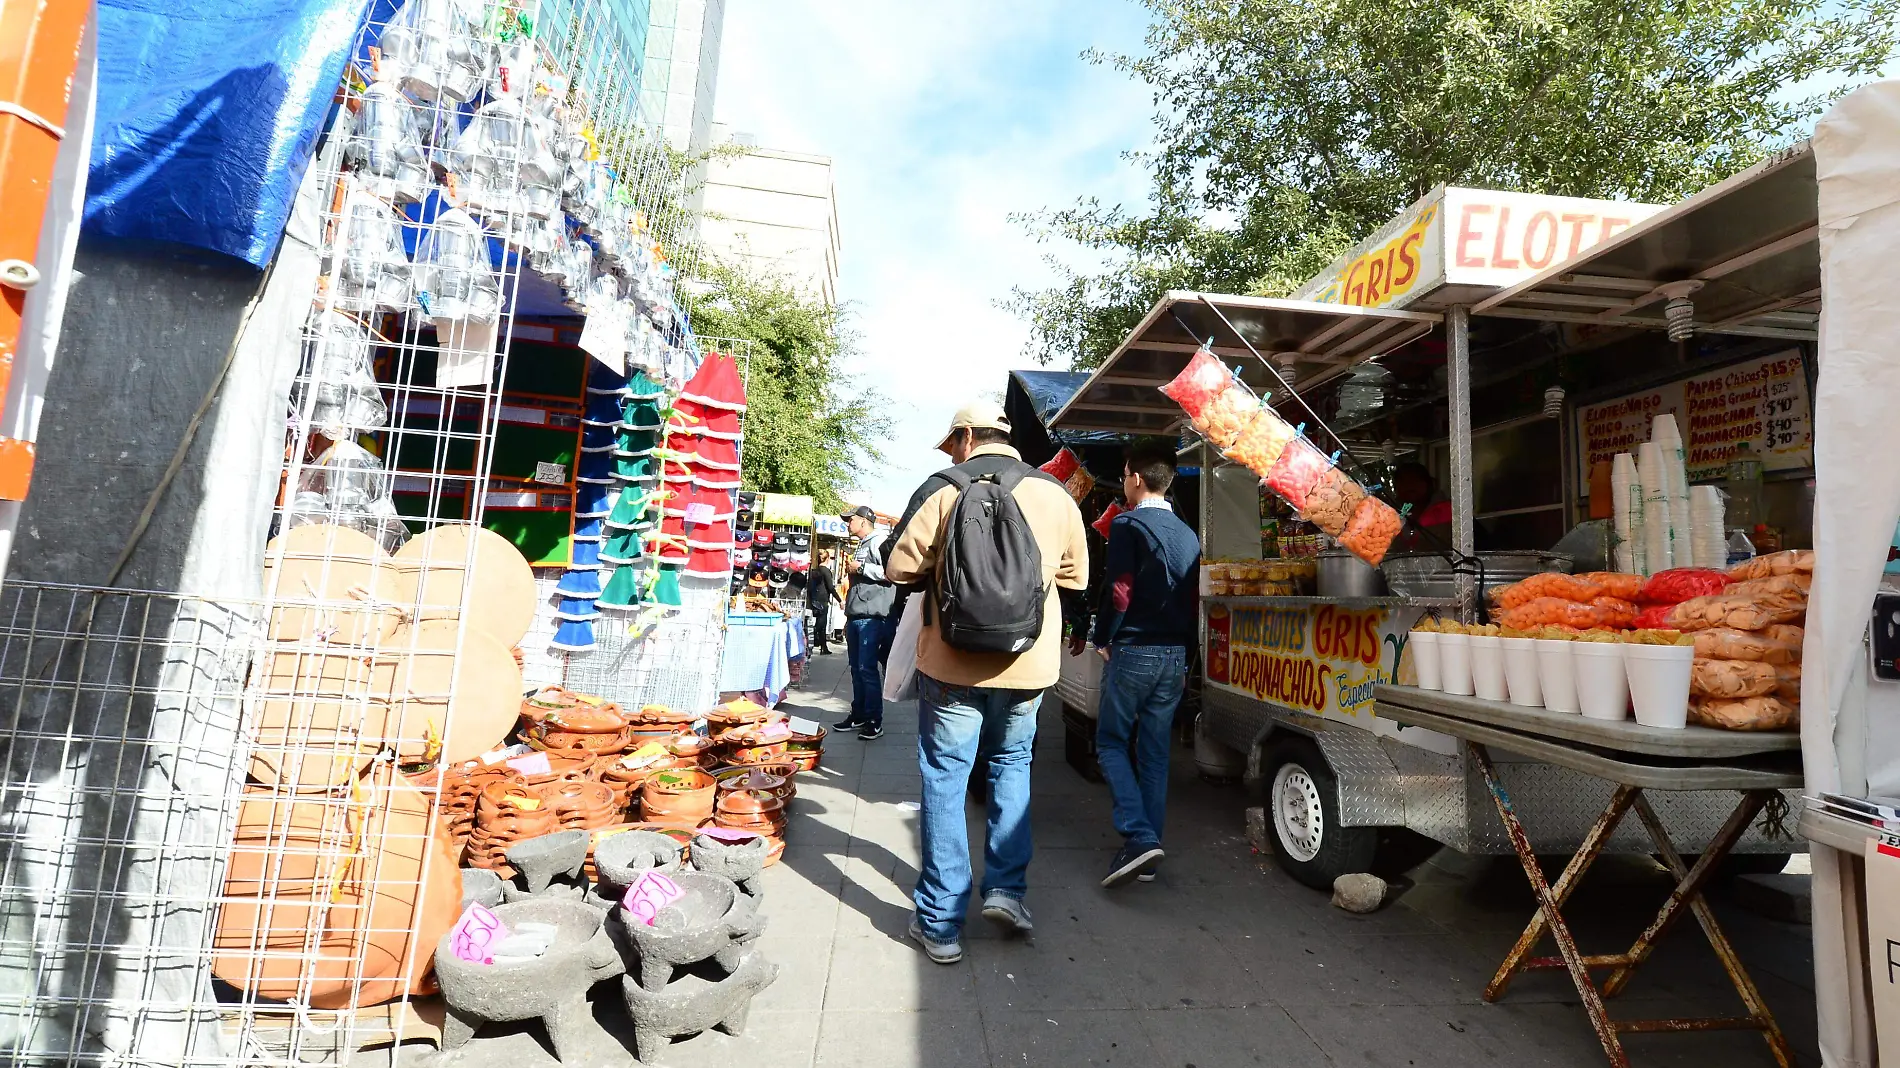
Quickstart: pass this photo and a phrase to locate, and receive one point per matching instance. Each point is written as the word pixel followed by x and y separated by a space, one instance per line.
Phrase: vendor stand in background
pixel 768 633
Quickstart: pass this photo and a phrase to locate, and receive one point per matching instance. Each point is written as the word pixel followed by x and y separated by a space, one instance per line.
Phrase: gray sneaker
pixel 1007 912
pixel 940 952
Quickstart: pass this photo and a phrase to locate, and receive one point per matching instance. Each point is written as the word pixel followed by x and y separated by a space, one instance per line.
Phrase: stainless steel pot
pixel 1341 574
pixel 1430 575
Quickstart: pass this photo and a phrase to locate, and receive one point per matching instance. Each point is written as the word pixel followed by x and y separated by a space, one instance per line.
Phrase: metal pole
pixel 1458 389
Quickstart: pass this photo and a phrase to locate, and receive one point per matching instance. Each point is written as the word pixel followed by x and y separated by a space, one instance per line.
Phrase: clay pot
pixel 564 766
pixel 755 777
pixel 806 759
pixel 655 715
pixel 508 812
pixel 548 738
pixel 736 712
pixel 681 796
pixel 538 705
pixel 639 734
pixel 583 806
pixel 689 745
pixel 334 896
pixel 760 754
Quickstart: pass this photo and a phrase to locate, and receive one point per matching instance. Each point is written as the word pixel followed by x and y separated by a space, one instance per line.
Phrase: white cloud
pixel 941 121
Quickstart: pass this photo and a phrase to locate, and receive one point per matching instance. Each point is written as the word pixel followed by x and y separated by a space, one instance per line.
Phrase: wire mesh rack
pixel 218 818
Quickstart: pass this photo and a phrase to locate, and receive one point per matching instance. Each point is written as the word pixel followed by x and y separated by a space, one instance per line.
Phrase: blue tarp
pixel 207 116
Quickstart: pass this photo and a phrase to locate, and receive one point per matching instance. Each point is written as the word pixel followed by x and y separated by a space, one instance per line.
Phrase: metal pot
pixel 1430 575
pixel 1341 574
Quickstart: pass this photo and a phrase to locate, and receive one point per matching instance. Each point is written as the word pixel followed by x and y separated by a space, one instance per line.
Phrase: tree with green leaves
pixel 1288 129
pixel 806 430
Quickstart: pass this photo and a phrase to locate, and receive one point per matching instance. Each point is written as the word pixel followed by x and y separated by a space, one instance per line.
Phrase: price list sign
pixel 1761 402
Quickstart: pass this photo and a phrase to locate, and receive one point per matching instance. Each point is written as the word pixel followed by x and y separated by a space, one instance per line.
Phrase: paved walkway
pixel 1223 961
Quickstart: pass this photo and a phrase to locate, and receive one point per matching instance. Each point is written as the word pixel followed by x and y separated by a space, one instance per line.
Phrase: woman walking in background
pixel 819 591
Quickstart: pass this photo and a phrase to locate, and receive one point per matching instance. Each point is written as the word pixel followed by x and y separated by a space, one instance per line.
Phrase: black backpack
pixel 989 592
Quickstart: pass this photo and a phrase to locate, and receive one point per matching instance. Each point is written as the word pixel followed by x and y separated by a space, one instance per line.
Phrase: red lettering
pixel 1466 235
pixel 1577 223
pixel 1533 259
pixel 1497 248
pixel 1354 292
pixel 1611 225
pixel 1375 274
pixel 1369 641
pixel 1408 258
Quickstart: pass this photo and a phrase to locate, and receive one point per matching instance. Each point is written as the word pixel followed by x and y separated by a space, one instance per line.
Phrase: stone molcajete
pixel 694 1002
pixel 739 858
pixel 552 987
pixel 548 866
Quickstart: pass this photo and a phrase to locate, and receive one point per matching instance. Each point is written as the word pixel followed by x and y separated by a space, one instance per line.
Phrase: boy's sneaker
pixel 846 725
pixel 1133 861
pixel 1008 913
pixel 871 732
pixel 939 952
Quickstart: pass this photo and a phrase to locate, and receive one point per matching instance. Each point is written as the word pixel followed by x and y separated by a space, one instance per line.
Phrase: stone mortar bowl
pixel 695 928
pixel 693 1004
pixel 480 886
pixel 619 859
pixel 552 987
pixel 739 861
pixel 541 859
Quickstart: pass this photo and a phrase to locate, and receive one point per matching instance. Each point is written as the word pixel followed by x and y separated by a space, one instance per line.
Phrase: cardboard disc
pixel 323 714
pixel 327 581
pixel 485 703
pixel 434 565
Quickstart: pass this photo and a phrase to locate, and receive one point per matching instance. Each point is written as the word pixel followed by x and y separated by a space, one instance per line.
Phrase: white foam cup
pixel 1425 660
pixel 1487 667
pixel 1520 672
pixel 1659 683
pixel 1454 663
pixel 1603 686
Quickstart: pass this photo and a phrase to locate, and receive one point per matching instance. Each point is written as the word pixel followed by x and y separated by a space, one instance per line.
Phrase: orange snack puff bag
pixel 1374 524
pixel 1226 415
pixel 1615 583
pixel 1198 383
pixel 1260 442
pixel 1548 584
pixel 1614 611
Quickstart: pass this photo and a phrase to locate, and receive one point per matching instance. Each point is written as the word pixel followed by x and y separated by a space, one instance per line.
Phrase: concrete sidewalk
pixel 1222 961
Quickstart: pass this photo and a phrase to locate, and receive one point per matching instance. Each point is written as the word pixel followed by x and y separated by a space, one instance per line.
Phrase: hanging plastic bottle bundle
pixel 456 279
pixel 371 269
pixel 488 161
pixel 436 49
pixel 337 390
pixel 385 148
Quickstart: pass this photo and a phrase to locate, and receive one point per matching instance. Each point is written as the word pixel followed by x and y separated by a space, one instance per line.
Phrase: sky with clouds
pixel 941 120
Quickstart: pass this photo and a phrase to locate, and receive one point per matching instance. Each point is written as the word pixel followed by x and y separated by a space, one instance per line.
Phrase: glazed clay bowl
pixel 656 715
pixel 547 737
pixel 679 795
pixel 584 805
pixel 749 802
pixel 760 754
pixel 563 766
pixel 639 734
pixel 689 745
pixel 755 777
pixel 806 759
pixel 539 704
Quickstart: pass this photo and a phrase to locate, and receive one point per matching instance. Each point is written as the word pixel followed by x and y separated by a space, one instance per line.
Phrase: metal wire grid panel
pixel 136 861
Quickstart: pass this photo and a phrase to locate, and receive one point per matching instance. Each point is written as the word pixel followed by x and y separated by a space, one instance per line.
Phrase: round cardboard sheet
pixel 326 581
pixel 323 714
pixel 485 703
pixel 434 564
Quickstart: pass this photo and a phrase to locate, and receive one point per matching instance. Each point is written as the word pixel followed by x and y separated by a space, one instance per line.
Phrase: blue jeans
pixel 862 639
pixel 954 723
pixel 1141 687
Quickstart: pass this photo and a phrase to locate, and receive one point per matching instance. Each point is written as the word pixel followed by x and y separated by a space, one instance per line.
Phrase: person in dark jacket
pixel 1143 626
pixel 820 588
pixel 868 626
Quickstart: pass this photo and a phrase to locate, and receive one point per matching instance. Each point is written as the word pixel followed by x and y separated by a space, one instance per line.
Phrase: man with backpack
pixel 1147 618
pixel 1000 552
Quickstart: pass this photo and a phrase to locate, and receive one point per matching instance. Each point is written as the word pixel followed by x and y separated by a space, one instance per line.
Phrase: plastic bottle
pixel 1743 484
pixel 1739 548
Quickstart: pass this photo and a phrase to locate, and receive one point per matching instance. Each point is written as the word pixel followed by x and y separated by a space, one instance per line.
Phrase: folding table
pixel 1758 766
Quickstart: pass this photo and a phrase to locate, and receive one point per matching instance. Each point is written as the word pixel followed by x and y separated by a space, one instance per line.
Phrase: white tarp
pixel 1850 729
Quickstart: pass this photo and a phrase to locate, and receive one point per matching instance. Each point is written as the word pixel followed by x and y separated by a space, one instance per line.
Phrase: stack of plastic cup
pixel 1626 511
pixel 1664 432
pixel 1706 527
pixel 1657 543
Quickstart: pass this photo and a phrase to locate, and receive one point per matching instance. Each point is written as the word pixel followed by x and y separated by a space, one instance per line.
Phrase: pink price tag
pixel 650 893
pixel 699 515
pixel 474 935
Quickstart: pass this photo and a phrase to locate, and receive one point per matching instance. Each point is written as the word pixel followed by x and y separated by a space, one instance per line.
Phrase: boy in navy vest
pixel 1143 627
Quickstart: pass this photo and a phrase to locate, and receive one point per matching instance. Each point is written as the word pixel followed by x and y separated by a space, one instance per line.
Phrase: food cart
pixel 1289 683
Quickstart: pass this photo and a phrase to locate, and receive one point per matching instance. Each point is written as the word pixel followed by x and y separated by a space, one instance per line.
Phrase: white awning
pixel 1744 251
pixel 1309 343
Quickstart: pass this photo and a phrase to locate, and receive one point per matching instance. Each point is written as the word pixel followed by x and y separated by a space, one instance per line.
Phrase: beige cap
pixel 977 413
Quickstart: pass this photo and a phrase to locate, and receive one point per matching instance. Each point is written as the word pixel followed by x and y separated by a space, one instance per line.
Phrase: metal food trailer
pixel 1287 682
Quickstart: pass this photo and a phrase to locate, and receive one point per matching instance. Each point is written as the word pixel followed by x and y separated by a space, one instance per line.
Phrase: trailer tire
pixel 1303 806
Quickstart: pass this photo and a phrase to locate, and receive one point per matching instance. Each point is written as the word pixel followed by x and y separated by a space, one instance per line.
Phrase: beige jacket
pixel 1057 526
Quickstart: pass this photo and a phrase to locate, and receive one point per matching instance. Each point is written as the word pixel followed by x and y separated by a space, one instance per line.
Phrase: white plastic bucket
pixel 1520 672
pixel 1487 667
pixel 1659 683
pixel 1425 661
pixel 1454 663
pixel 1603 685
pixel 1556 674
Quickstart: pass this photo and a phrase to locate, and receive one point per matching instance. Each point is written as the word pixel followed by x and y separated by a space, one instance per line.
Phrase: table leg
pixel 1573 872
pixel 1547 908
pixel 1689 892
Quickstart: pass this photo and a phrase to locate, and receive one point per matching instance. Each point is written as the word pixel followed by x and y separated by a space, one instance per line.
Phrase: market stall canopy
pixel 1743 252
pixel 1308 341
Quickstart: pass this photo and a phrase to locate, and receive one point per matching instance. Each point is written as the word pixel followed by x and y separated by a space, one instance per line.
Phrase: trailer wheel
pixel 1303 796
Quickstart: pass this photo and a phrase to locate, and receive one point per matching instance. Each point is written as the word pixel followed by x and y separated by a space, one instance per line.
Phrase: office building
pixel 773 212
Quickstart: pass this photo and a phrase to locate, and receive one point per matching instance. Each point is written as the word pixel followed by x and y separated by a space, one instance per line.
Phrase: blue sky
pixel 941 121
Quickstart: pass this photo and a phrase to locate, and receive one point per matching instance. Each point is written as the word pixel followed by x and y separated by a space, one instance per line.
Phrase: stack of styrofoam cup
pixel 1626 511
pixel 1710 548
pixel 1665 433
pixel 1657 545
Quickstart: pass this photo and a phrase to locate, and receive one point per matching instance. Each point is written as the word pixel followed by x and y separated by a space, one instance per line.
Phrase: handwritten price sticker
pixel 475 935
pixel 650 893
